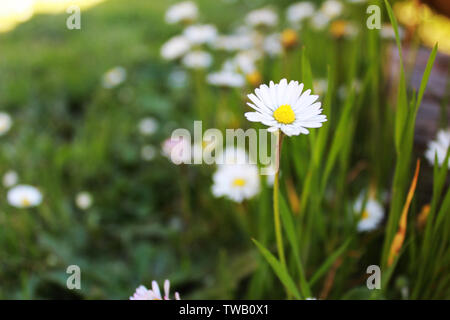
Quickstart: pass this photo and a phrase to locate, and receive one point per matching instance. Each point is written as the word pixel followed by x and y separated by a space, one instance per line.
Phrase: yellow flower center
pixel 254 78
pixel 289 38
pixel 284 114
pixel 365 215
pixel 26 202
pixel 238 182
pixel 338 28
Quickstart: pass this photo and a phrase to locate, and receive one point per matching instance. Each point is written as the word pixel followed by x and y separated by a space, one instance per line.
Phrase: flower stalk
pixel 276 199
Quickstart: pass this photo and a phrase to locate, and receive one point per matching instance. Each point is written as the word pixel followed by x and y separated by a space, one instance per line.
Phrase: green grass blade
pixel 329 262
pixel 279 269
pixel 289 226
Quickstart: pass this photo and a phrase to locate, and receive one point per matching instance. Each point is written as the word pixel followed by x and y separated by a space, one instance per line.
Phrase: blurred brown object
pixel 436 97
pixel 434 112
pixel 440 6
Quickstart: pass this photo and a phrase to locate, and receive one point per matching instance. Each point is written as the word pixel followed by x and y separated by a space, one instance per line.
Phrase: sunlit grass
pixel 14 12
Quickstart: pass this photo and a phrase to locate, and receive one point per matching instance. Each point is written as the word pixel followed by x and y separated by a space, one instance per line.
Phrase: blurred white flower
pixel 234 42
pixel 439 147
pixel 184 12
pixel 357 1
pixel 5 123
pixel 236 182
pixel 24 196
pixel 197 60
pixel 226 78
pixel 148 152
pixel 246 61
pixel 319 21
pixel 299 11
pixel 351 30
pixel 285 106
pixel 343 89
pixel 10 178
pixel 200 34
pixel 371 216
pixel 83 200
pixel 262 17
pixel 332 8
pixel 177 150
pixel 272 44
pixel 142 293
pixel 320 86
pixel 148 126
pixel 387 32
pixel 175 48
pixel 178 78
pixel 112 78
pixel 270 176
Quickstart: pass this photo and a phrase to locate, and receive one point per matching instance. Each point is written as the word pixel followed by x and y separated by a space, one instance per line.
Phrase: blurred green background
pixel 69 134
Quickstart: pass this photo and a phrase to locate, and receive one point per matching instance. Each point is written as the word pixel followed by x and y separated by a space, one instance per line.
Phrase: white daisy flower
pixel 283 106
pixel 197 60
pixel 175 48
pixel 319 21
pixel 236 182
pixel 83 200
pixel 177 150
pixel 10 178
pixel 5 122
pixel 148 152
pixel 299 11
pixel 272 45
pixel 332 8
pixel 24 196
pixel 184 12
pixel 114 77
pixel 226 78
pixel 148 126
pixel 439 147
pixel 372 215
pixel 142 293
pixel 262 17
pixel 200 34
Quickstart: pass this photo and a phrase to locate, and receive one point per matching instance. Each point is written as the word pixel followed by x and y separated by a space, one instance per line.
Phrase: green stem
pixel 276 208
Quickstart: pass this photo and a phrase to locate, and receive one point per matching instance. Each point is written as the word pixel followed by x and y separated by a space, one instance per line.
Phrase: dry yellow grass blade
pixel 400 235
pixel 422 218
pixel 294 201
